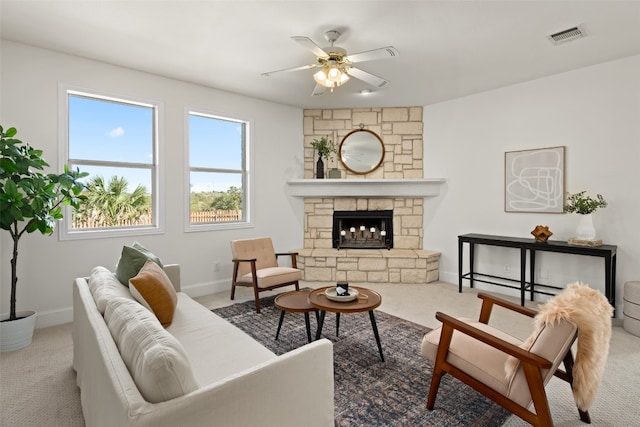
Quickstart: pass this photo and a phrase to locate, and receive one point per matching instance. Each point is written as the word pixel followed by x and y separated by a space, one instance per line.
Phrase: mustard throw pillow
pixel 152 288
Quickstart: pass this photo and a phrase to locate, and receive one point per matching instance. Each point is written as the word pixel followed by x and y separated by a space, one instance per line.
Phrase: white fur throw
pixel 590 311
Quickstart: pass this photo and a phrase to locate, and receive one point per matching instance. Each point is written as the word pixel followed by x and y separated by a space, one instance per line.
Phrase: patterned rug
pixel 369 392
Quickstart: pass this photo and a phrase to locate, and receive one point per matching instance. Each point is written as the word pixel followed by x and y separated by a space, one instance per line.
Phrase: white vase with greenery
pixel 585 206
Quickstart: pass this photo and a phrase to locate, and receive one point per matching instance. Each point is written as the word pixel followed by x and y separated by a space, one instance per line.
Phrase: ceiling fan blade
pixel 370 55
pixel 373 80
pixel 303 67
pixel 309 44
pixel 318 90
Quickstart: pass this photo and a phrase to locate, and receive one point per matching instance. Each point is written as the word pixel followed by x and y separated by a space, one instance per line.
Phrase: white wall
pixel 595 113
pixel 47 266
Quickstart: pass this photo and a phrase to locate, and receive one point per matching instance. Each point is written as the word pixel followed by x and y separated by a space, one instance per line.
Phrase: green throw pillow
pixel 132 260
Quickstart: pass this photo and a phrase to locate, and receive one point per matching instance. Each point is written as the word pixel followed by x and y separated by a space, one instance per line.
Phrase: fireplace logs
pixel 363 229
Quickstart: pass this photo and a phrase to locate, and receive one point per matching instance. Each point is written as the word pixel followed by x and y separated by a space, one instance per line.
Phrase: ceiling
pixel 447 49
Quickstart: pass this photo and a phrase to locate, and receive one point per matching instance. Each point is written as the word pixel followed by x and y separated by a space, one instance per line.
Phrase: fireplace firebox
pixel 363 229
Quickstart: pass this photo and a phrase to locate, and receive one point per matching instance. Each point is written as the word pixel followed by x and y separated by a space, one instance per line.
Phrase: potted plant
pixel 29 201
pixel 325 148
pixel 584 205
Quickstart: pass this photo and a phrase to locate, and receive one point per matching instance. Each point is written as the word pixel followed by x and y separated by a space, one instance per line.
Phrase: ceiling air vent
pixel 567 35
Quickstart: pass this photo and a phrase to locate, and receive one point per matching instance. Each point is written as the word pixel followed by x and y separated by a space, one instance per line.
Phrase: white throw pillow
pixel 104 286
pixel 156 360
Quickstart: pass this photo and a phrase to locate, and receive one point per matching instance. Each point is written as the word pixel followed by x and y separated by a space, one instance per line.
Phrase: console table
pixel 608 252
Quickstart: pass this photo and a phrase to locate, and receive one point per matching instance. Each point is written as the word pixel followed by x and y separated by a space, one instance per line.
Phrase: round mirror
pixel 361 151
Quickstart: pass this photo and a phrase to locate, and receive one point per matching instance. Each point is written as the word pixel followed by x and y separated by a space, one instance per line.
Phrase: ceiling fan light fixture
pixel 331 76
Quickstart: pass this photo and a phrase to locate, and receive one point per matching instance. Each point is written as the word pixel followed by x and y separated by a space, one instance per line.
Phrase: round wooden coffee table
pixel 295 302
pixel 367 300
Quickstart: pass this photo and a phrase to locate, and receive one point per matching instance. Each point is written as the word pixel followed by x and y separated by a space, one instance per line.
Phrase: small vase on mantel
pixel 586 230
pixel 320 169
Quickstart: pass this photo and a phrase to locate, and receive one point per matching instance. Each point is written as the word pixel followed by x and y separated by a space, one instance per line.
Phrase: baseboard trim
pixel 207 288
pixel 49 318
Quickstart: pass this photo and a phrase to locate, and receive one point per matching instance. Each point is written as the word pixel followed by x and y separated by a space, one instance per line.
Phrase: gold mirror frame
pixel 361 151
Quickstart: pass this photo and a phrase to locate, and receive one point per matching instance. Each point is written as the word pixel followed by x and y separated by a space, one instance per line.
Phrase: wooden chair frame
pixel 254 283
pixel 531 363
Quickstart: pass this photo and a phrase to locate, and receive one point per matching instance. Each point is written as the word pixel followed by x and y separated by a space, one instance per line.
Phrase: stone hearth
pixel 369 265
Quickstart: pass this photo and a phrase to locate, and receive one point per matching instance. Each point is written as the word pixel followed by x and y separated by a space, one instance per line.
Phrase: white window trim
pixel 248 191
pixel 64 230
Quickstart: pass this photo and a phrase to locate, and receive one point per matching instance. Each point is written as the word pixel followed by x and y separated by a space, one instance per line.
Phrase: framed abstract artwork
pixel 534 180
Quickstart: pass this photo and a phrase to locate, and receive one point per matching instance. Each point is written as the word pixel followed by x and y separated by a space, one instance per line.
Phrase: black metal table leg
pixel 337 324
pixel 460 255
pixel 320 324
pixel 472 261
pixel 523 275
pixel 280 324
pixel 308 325
pixel 375 332
pixel 532 271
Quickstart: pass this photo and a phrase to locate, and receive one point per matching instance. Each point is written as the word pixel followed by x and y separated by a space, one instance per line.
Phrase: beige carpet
pixel 37 384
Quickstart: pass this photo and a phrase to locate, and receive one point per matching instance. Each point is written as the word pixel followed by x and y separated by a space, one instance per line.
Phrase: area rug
pixel 369 392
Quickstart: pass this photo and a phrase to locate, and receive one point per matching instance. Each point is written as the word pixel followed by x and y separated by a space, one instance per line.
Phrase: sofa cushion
pixel 131 261
pixel 216 348
pixel 104 285
pixel 273 276
pixel 152 288
pixel 157 362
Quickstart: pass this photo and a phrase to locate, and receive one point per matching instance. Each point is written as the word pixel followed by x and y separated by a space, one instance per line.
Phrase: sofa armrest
pixel 173 272
pixel 292 390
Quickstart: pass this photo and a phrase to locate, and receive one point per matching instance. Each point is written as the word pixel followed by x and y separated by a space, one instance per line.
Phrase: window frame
pixel 66 232
pixel 247 179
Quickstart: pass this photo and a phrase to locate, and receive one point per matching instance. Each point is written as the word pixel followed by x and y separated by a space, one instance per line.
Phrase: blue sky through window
pixel 121 132
pixel 215 143
pixel 103 130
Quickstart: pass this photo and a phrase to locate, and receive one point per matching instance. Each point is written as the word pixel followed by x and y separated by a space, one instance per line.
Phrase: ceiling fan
pixel 336 67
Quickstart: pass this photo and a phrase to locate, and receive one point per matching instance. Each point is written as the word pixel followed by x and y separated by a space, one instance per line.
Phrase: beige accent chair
pixel 255 264
pixel 478 355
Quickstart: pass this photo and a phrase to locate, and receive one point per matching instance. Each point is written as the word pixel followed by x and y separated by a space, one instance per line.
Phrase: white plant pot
pixel 18 333
pixel 586 230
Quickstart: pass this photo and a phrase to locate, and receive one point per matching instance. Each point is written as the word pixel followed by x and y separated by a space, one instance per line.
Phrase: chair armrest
pixel 495 342
pixel 244 259
pixel 488 301
pixel 286 253
pixel 293 255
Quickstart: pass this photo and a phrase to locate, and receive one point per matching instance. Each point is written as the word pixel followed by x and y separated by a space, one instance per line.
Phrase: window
pixel 115 141
pixel 217 172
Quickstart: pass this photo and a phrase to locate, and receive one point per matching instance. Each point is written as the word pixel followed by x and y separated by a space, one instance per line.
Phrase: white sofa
pixel 239 382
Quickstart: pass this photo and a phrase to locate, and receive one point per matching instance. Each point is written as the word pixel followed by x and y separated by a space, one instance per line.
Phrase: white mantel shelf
pixel 427 187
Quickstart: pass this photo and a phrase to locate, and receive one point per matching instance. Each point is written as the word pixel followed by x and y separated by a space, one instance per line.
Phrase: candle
pixel 352 229
pixel 343 233
pixel 372 229
pixel 383 233
pixel 362 228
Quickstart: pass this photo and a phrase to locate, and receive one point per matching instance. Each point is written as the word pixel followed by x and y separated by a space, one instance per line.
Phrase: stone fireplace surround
pixel 396 185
